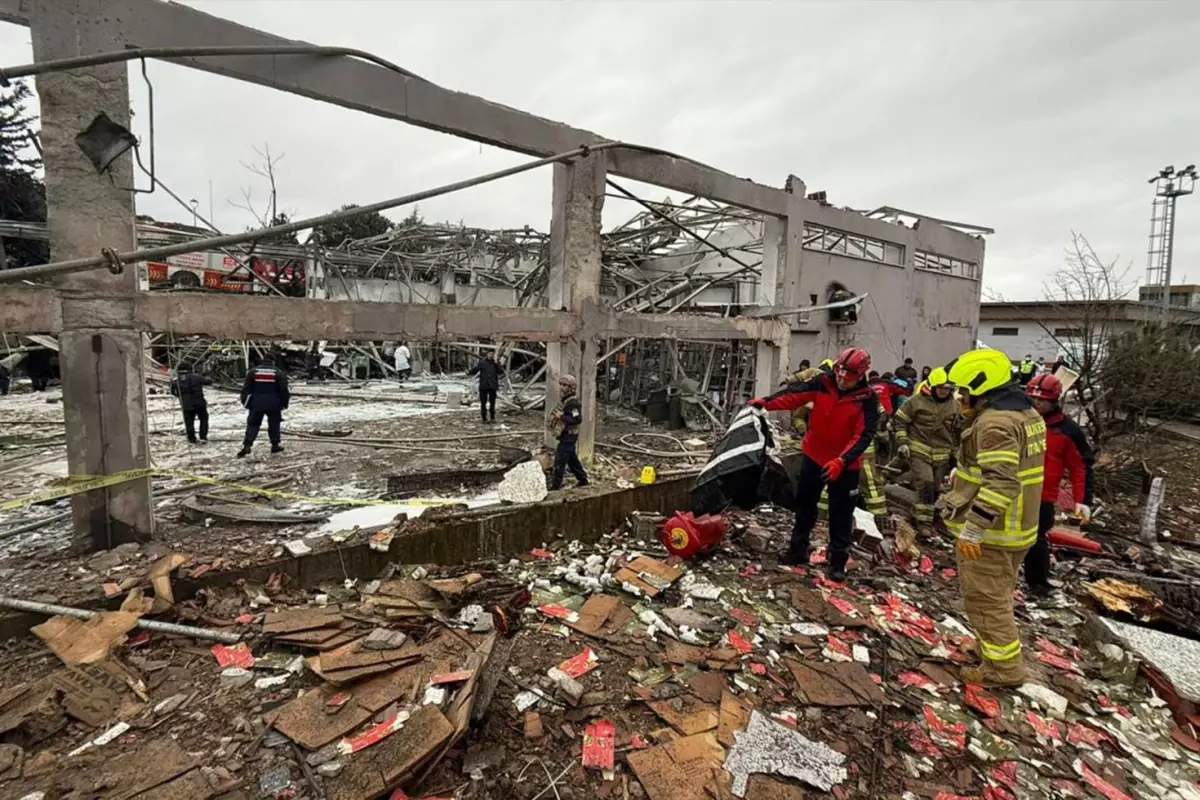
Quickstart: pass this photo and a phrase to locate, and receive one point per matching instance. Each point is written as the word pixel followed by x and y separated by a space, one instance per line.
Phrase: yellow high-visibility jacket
pixel 998 482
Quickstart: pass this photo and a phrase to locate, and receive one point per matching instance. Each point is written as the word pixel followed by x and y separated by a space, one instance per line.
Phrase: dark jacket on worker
pixel 572 417
pixel 489 371
pixel 266 389
pixel 1067 453
pixel 189 388
pixel 841 423
pixel 906 371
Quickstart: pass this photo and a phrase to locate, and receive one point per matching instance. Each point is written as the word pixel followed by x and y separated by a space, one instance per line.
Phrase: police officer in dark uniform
pixel 569 417
pixel 189 388
pixel 490 372
pixel 265 394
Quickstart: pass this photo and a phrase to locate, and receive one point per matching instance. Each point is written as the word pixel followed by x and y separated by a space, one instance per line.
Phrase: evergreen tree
pixel 333 234
pixel 22 193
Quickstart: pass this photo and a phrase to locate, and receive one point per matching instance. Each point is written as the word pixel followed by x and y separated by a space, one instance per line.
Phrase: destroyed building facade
pixel 101 317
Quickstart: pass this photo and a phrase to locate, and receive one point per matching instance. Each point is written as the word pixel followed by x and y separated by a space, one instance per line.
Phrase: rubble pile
pixel 605 670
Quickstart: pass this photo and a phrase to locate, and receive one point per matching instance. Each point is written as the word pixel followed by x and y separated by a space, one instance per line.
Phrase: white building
pixel 1050 328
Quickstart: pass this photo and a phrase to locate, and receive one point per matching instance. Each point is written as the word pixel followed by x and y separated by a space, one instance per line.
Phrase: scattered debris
pixel 767 747
pixel 524 483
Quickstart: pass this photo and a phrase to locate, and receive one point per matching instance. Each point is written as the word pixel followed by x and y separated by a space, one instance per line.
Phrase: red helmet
pixel 852 364
pixel 1044 387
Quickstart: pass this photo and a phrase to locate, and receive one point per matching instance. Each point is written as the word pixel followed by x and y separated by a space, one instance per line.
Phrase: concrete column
pixel 769 369
pixel 574 284
pixel 774 261
pixel 100 354
pixel 792 255
pixel 780 283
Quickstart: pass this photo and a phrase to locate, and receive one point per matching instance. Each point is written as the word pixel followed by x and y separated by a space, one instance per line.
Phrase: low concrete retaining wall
pixel 482 533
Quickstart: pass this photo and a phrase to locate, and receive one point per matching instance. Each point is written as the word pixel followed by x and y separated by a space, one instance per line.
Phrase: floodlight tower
pixel 1169 186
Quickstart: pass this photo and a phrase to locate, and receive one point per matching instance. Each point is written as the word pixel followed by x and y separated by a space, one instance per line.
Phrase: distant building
pixel 1186 295
pixel 1041 328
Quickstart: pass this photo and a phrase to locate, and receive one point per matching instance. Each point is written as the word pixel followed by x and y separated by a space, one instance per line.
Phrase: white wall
pixel 1031 338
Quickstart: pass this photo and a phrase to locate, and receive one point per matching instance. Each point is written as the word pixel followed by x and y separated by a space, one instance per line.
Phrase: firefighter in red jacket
pixel 1067 453
pixel 844 416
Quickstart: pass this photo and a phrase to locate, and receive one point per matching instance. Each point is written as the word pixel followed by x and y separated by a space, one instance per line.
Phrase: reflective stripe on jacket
pixel 998 483
pixel 930 427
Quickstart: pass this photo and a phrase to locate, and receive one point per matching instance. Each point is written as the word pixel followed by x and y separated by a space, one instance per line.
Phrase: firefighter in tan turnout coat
pixel 927 431
pixel 992 506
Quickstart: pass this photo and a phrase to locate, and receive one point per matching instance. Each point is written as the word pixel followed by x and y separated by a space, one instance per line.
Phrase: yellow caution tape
pixel 77 484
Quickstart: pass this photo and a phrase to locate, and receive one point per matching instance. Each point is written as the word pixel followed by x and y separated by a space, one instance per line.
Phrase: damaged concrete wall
pixel 379 290
pixel 929 315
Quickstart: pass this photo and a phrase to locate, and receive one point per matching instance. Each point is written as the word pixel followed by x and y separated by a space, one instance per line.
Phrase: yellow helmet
pixel 937 377
pixel 827 364
pixel 980 371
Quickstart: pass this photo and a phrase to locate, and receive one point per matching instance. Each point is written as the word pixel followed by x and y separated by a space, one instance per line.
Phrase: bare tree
pixel 269 215
pixel 265 169
pixel 1089 292
pixel 1086 295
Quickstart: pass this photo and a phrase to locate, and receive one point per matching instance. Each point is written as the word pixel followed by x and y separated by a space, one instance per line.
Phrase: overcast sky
pixel 1035 119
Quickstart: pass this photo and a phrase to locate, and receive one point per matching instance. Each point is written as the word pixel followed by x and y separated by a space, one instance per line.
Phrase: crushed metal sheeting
pixel 768 747
pixel 1178 659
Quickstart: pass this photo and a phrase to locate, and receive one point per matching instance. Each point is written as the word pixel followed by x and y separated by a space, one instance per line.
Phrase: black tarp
pixel 744 469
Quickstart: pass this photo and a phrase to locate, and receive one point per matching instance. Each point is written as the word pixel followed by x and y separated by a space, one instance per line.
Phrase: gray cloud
pixel 1035 119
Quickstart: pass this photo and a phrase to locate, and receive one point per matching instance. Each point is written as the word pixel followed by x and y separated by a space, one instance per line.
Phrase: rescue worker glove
pixel 969 541
pixel 833 470
pixel 1083 512
pixel 902 451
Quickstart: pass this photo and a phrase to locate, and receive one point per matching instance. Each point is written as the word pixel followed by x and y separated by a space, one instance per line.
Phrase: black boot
pixel 276 448
pixel 245 451
pixel 795 557
pixel 837 566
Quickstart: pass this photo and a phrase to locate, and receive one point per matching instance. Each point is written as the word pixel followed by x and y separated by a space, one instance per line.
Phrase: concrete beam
pixel 104 385
pixel 16 12
pixel 38 310
pixel 363 86
pixel 30 310
pixel 264 317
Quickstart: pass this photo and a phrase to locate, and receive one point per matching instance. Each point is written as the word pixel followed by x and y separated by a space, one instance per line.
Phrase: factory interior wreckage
pixel 393 600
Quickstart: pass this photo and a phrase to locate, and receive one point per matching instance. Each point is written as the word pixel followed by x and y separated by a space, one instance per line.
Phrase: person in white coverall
pixel 403 362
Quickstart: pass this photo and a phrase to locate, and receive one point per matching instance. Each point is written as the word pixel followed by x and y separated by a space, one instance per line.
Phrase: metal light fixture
pixel 104 142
